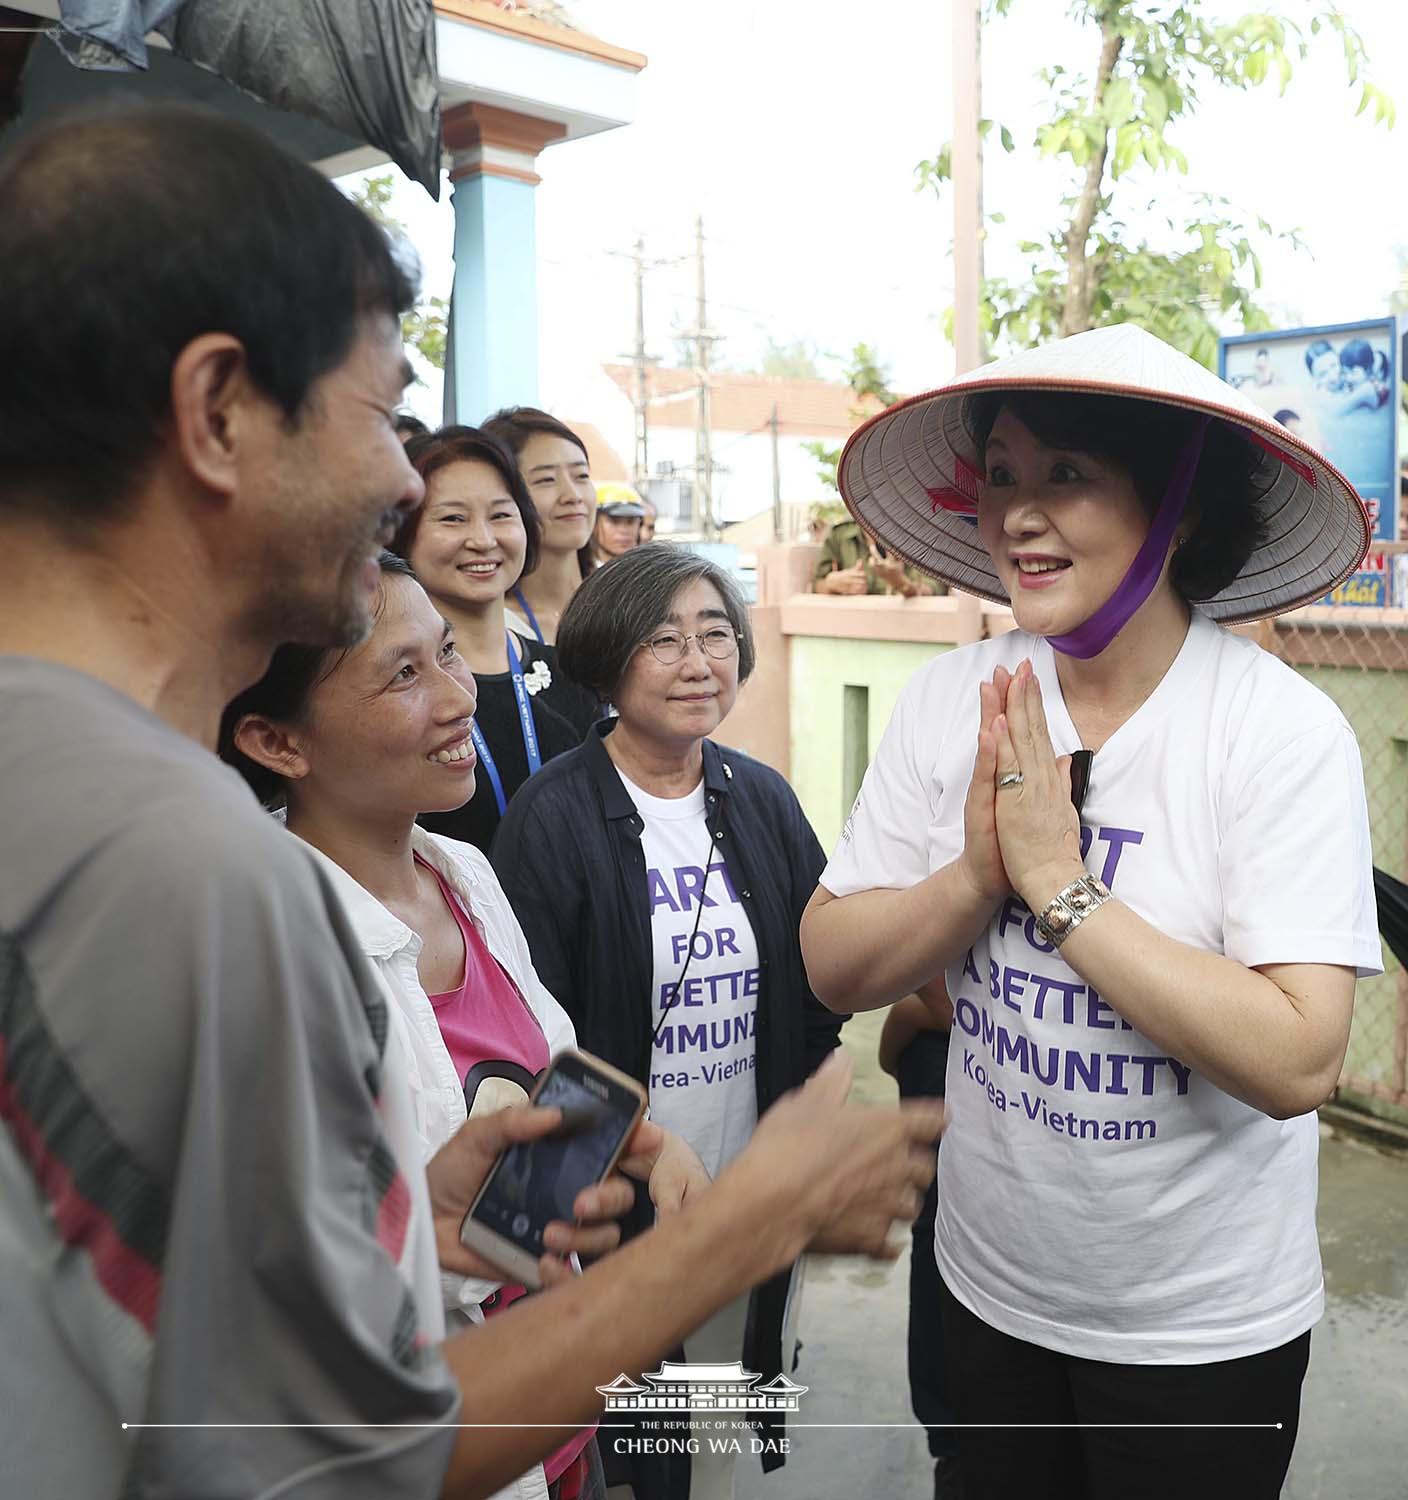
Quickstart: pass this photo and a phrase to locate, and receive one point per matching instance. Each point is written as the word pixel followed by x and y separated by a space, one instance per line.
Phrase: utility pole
pixel 776 480
pixel 703 517
pixel 640 465
pixel 641 362
pixel 968 225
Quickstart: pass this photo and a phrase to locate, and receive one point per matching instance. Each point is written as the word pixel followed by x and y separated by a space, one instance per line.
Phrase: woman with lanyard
pixel 660 879
pixel 1136 847
pixel 351 746
pixel 469 543
pixel 553 462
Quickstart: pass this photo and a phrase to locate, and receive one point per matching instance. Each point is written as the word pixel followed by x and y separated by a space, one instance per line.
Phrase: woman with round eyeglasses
pixel 660 879
pixel 1132 848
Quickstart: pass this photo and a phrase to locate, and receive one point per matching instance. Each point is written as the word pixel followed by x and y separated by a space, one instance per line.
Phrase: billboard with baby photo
pixel 1337 388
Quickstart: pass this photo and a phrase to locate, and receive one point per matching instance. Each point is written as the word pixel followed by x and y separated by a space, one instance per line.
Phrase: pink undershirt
pixel 485 1019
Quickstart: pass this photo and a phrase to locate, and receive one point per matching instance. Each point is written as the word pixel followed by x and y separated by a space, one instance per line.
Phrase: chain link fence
pixel 1359 656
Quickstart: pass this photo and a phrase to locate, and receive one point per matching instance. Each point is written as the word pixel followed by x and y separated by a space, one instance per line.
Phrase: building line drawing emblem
pixel 700 1387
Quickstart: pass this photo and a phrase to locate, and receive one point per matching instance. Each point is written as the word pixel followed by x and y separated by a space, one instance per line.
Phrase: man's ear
pixel 271 746
pixel 211 397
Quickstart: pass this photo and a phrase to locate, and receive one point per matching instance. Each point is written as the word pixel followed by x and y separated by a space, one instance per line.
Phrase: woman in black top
pixel 647 843
pixel 555 467
pixel 476 534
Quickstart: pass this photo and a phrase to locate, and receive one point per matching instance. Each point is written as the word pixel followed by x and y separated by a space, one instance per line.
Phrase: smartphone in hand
pixel 535 1182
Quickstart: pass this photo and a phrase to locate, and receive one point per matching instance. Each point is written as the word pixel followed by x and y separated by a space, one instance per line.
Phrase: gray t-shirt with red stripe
pixel 194 1176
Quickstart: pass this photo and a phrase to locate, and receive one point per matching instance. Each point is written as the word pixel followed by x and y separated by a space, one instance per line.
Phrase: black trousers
pixel 921 1075
pixel 1002 1380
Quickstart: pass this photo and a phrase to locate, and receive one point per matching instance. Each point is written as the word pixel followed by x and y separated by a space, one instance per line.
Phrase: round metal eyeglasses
pixel 669 646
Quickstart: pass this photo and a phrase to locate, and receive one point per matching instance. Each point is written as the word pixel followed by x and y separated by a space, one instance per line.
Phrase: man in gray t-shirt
pixel 202 1200
pixel 192 1075
pixel 202 1206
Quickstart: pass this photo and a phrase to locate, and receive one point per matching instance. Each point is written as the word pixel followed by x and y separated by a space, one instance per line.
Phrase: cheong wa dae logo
pixel 699 1387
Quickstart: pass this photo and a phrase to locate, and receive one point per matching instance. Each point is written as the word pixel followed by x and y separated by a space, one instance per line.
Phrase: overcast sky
pixel 794 128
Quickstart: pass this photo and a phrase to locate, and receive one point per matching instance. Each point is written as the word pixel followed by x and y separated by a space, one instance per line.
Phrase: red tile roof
pixel 602 459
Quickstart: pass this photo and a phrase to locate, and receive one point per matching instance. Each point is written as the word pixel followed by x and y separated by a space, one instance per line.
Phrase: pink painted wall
pixel 760 724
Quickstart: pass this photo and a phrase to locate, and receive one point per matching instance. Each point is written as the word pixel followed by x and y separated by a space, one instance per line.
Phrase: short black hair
pixel 1315 349
pixel 282 694
pixel 125 234
pixel 455 445
pixel 1146 438
pixel 625 599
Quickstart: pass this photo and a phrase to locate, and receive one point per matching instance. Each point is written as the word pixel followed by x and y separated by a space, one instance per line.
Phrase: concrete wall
pixel 759 724
pixel 843 692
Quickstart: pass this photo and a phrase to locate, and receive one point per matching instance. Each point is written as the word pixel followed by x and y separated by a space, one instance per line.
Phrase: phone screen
pixel 535 1182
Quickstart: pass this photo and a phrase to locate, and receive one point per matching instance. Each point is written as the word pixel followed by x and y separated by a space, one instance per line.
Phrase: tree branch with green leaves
pixel 426 327
pixel 1117 123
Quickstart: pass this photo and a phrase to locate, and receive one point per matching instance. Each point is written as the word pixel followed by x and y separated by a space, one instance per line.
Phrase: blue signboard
pixel 1336 387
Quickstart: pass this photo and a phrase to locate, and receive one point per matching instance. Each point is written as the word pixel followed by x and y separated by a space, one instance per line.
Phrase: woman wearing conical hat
pixel 1133 849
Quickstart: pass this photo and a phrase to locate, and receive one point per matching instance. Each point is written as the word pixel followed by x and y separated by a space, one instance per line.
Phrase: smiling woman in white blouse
pixel 352 747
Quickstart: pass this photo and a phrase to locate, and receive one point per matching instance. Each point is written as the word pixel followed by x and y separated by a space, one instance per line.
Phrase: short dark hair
pixel 513 426
pixel 125 235
pixel 407 424
pixel 1315 349
pixel 456 445
pixel 1145 438
pixel 624 600
pixel 282 694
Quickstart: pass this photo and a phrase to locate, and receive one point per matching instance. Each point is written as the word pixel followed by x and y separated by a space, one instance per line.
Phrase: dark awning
pixel 366 68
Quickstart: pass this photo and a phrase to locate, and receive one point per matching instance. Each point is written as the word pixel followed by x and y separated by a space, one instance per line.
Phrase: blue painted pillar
pixel 492 359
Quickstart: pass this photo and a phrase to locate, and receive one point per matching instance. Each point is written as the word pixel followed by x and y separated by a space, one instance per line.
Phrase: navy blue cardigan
pixel 569 855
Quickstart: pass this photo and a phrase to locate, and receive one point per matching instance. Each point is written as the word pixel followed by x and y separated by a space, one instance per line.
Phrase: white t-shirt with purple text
pixel 702 1083
pixel 1097 1196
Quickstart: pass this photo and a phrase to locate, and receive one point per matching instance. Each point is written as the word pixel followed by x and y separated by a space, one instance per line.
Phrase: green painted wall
pixel 822 669
pixel 842 694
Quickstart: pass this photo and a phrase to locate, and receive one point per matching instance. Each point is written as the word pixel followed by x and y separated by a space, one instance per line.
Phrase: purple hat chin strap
pixel 1090 638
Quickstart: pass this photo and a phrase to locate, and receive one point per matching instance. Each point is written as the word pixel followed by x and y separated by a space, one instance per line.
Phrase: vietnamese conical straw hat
pixel 910 475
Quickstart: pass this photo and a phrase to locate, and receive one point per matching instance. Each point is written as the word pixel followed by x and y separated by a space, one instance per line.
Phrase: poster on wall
pixel 1336 387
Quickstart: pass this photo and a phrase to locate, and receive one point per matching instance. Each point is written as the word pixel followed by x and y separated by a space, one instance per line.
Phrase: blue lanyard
pixel 532 619
pixel 525 723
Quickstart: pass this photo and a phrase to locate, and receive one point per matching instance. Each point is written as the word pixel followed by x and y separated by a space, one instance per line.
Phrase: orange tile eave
pixel 491 17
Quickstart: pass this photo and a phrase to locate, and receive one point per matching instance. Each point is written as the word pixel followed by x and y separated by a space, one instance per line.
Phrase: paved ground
pixel 1354 1423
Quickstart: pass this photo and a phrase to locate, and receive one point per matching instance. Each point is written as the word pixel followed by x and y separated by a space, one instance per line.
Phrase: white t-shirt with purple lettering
pixel 1096 1196
pixel 702 1082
